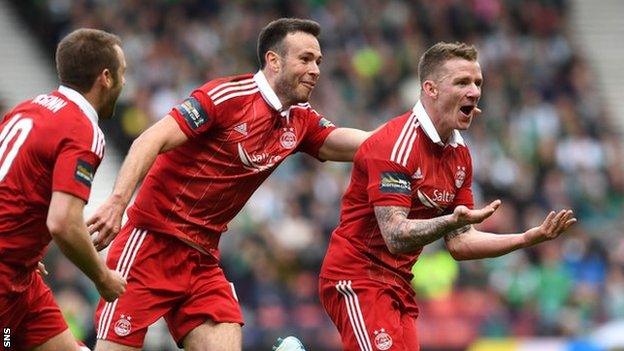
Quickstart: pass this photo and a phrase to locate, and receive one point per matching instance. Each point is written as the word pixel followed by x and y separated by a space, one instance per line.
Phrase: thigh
pixel 145 260
pixel 367 315
pixel 43 322
pixel 214 336
pixel 105 345
pixel 62 341
pixel 210 298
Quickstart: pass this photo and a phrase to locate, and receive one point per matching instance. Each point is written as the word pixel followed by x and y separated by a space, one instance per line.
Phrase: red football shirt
pixel 50 143
pixel 404 164
pixel 238 134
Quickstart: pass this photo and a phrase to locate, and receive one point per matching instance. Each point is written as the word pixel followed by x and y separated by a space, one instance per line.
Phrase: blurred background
pixel 550 137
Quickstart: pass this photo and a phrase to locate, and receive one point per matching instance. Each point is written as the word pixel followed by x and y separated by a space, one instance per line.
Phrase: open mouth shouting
pixel 466 110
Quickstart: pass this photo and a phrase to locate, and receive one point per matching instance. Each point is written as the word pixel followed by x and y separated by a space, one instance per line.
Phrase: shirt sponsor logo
pixel 288 139
pixel 192 112
pixel 84 172
pixel 439 201
pixel 395 182
pixel 325 123
pixel 460 176
pixel 383 341
pixel 123 327
pixel 257 162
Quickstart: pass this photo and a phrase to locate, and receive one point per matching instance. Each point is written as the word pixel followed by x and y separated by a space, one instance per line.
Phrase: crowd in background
pixel 544 141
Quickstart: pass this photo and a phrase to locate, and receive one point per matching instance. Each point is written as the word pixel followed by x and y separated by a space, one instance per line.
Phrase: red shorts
pixel 166 278
pixel 32 316
pixel 369 315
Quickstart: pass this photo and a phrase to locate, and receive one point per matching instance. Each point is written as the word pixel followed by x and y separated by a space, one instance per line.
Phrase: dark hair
pixel 271 36
pixel 438 54
pixel 83 54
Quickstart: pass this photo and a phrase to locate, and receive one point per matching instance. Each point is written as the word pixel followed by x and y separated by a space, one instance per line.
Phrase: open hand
pixel 462 215
pixel 552 227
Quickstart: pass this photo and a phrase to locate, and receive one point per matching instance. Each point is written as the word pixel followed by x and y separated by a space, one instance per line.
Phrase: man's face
pixel 111 96
pixel 299 69
pixel 459 90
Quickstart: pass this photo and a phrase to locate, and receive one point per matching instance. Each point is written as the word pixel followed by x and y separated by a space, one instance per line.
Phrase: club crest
pixel 383 341
pixel 288 139
pixel 460 176
pixel 123 326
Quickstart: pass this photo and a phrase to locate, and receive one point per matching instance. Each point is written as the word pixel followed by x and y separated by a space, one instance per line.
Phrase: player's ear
pixel 273 61
pixel 430 88
pixel 106 78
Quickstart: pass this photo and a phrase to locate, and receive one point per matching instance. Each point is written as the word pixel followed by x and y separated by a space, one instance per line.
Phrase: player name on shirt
pixel 51 102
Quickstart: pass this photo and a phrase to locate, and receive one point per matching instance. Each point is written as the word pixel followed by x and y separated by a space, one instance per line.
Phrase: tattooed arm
pixel 403 235
pixel 467 243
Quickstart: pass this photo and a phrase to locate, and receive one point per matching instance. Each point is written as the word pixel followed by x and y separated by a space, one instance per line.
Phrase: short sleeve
pixel 74 169
pixel 195 115
pixel 318 128
pixel 389 183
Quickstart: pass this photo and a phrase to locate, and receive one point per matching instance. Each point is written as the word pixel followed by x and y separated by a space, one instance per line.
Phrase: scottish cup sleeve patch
pixel 325 123
pixel 395 182
pixel 193 113
pixel 84 172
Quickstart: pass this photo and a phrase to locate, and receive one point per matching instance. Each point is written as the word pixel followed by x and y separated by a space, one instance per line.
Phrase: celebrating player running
pixel 411 185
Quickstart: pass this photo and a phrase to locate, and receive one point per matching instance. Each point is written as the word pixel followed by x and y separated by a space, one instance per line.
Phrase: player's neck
pixel 437 120
pixel 281 95
pixel 444 133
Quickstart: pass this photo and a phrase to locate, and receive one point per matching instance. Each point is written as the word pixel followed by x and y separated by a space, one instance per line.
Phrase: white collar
pixel 80 100
pixel 429 128
pixel 269 94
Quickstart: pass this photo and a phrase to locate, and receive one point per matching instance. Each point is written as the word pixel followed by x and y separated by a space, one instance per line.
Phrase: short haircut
pixel 271 36
pixel 83 54
pixel 435 57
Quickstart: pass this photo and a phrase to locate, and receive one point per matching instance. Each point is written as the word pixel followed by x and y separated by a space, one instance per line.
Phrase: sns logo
pixel 383 341
pixel 6 341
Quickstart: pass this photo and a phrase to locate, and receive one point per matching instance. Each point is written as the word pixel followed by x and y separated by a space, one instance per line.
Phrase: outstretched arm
pixel 161 137
pixel 342 143
pixel 467 243
pixel 403 235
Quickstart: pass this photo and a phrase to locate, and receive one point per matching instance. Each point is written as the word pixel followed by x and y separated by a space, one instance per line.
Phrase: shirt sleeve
pixel 195 115
pixel 389 183
pixel 317 131
pixel 74 169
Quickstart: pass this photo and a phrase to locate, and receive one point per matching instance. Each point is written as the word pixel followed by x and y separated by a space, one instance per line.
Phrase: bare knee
pixel 104 345
pixel 214 336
